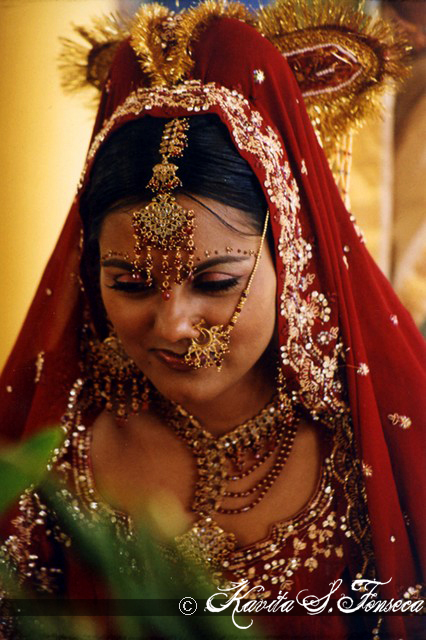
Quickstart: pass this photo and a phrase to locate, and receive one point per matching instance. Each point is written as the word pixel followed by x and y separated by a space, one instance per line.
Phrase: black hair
pixel 210 167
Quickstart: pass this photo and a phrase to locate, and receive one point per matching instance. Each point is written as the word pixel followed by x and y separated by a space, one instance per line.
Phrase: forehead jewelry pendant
pixel 163 224
pixel 212 343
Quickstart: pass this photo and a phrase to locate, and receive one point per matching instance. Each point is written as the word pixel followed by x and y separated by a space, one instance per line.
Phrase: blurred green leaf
pixel 154 576
pixel 25 464
pixel 158 578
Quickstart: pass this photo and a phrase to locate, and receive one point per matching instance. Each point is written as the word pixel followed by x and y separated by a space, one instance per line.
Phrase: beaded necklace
pixel 236 455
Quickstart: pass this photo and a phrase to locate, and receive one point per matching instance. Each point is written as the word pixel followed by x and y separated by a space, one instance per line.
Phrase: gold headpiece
pixel 163 224
pixel 341 57
pixel 212 344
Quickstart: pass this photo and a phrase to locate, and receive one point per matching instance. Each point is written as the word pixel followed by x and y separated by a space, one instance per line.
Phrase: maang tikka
pixel 163 224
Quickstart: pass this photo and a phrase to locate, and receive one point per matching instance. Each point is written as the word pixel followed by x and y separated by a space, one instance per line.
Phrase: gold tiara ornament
pixel 164 224
pixel 343 58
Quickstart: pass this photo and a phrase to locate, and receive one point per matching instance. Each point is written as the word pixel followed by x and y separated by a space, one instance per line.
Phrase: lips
pixel 172 360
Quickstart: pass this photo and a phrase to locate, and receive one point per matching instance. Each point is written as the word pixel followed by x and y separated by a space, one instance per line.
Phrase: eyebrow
pixel 211 262
pixel 116 262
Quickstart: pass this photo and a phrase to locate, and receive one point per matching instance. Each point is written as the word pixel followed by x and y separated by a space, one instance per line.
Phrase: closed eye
pixel 131 285
pixel 215 286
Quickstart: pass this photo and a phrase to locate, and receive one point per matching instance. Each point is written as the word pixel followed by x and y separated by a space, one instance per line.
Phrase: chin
pixel 196 388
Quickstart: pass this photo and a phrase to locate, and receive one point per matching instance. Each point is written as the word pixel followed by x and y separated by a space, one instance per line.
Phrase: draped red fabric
pixel 382 360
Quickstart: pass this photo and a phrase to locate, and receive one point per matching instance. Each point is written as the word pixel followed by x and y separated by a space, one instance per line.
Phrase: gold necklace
pixel 236 455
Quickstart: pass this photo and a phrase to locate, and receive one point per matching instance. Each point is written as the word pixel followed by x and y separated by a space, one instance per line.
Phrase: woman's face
pixel 156 332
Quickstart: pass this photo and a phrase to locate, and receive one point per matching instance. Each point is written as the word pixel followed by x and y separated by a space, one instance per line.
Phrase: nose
pixel 175 318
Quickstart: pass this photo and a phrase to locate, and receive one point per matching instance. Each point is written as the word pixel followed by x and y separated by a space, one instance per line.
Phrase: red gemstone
pixel 167 294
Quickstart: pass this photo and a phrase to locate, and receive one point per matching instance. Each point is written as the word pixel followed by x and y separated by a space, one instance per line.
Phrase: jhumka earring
pixel 163 224
pixel 117 378
pixel 211 345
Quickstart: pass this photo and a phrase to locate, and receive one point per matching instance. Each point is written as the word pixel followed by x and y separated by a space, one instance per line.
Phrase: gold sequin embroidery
pixel 400 421
pixel 39 366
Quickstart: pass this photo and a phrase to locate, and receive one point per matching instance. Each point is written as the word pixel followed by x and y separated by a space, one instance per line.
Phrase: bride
pixel 230 346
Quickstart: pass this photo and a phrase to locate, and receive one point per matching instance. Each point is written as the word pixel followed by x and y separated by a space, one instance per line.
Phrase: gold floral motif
pixel 259 76
pixel 367 470
pixel 400 421
pixel 415 592
pixel 363 369
pixel 311 563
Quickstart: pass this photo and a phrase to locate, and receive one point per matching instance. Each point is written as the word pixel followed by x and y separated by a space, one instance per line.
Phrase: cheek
pixel 265 318
pixel 266 305
pixel 259 315
pixel 127 317
pixel 266 284
pixel 111 304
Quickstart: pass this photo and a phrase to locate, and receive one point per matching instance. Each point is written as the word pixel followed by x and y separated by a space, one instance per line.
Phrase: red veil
pixel 345 339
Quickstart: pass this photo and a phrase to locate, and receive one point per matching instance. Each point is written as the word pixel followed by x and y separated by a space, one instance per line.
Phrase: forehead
pixel 222 230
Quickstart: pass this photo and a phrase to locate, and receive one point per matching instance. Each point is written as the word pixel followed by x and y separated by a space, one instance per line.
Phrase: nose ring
pixel 205 336
pixel 209 347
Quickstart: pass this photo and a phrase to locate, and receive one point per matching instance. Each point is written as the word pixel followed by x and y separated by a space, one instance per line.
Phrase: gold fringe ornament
pixel 342 58
pixel 87 64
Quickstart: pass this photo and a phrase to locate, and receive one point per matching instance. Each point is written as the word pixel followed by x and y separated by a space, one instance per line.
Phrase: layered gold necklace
pixel 221 462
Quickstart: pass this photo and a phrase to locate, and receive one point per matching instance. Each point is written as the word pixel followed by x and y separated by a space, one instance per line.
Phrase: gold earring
pixel 117 381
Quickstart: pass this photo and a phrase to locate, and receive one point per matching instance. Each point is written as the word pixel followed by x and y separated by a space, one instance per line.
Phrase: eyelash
pixel 209 286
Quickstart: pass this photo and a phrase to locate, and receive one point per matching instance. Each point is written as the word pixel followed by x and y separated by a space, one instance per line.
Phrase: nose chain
pixel 236 455
pixel 212 343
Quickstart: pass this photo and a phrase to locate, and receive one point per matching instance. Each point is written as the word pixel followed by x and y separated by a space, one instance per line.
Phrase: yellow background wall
pixel 44 136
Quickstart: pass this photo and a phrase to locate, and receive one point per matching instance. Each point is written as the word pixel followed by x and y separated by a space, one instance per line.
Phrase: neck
pixel 237 404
